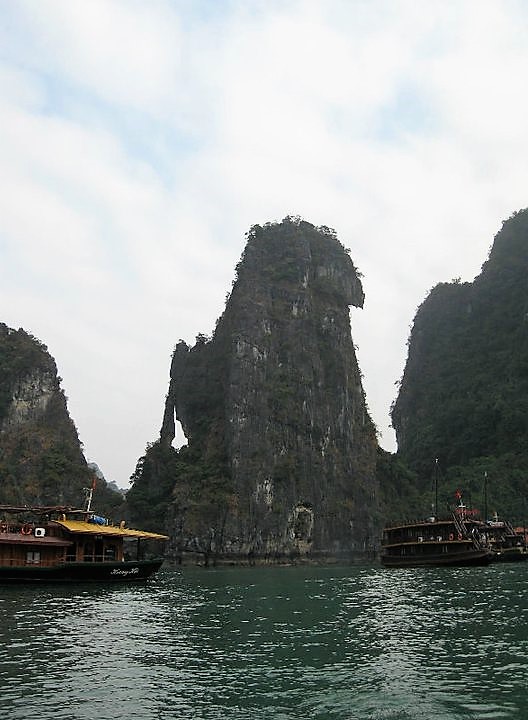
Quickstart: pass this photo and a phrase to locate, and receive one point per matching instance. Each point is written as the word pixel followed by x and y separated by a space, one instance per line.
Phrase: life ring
pixel 451 536
pixel 459 536
pixel 26 529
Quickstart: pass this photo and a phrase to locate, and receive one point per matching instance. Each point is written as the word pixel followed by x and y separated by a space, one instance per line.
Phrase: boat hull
pixel 459 559
pixel 510 555
pixel 82 572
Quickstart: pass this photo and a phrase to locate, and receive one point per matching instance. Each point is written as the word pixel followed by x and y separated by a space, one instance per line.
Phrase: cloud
pixel 141 140
pixel 121 51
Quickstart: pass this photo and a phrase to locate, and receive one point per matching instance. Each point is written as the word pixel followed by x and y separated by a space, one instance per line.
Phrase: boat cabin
pixel 53 538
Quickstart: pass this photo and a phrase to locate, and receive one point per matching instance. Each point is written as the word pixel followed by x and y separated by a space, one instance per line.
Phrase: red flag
pixel 458 494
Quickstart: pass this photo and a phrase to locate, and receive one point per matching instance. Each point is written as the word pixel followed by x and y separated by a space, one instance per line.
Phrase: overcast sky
pixel 140 139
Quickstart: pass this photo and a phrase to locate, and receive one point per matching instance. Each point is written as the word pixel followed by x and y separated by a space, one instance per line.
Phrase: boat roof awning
pixel 86 528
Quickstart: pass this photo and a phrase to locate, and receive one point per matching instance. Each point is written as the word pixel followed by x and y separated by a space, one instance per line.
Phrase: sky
pixel 141 139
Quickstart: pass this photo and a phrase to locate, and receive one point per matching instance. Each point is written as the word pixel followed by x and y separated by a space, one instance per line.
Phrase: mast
pixel 89 495
pixel 436 488
pixel 524 523
pixel 485 496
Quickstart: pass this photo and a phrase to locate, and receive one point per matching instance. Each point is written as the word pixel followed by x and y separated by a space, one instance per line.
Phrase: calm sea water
pixel 274 643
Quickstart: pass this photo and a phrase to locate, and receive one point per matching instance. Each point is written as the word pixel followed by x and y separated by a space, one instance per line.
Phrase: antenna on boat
pixel 89 495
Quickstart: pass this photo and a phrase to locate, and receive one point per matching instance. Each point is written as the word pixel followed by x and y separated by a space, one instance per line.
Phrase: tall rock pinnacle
pixel 281 454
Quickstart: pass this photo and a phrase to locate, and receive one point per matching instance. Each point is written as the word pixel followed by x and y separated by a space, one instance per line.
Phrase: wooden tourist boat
pixel 434 542
pixel 460 539
pixel 61 544
pixel 507 543
pixel 457 540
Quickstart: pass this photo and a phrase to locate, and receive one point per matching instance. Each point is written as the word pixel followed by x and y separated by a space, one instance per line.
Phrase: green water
pixel 274 643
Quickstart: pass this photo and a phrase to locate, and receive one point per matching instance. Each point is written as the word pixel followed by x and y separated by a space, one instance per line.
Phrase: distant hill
pixel 41 458
pixel 464 394
pixel 281 452
pixel 112 485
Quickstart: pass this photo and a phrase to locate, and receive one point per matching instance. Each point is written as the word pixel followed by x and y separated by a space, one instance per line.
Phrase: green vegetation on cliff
pixel 464 394
pixel 41 459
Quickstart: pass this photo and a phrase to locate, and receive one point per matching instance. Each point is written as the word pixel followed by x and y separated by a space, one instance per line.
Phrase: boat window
pixel 110 552
pixel 33 557
pixel 88 552
pixel 71 553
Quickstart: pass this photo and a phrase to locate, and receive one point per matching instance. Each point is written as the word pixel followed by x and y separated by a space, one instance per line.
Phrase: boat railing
pixel 509 527
pixel 409 522
pixel 459 524
pixel 51 562
pixel 479 542
pixel 97 558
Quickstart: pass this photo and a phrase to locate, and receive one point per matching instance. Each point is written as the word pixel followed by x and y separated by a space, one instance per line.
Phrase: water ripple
pixel 283 643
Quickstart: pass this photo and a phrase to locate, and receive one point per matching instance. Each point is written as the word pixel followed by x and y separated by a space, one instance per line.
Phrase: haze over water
pixel 352 643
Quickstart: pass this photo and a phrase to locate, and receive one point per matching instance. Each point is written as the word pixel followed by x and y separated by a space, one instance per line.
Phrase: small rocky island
pixel 41 457
pixel 281 454
pixel 463 397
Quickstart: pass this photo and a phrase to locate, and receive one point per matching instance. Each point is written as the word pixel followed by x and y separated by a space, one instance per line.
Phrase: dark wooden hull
pixel 510 555
pixel 456 559
pixel 82 572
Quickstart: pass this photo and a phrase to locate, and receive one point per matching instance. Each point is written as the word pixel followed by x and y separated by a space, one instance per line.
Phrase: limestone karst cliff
pixel 464 394
pixel 41 459
pixel 281 450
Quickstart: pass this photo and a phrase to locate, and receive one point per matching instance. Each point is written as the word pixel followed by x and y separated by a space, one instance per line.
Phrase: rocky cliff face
pixel 41 460
pixel 281 455
pixel 464 393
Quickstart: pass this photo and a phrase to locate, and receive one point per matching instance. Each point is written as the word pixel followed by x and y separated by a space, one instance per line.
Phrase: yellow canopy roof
pixel 79 526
